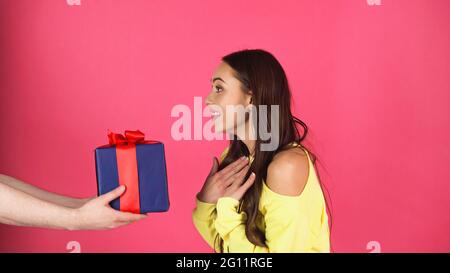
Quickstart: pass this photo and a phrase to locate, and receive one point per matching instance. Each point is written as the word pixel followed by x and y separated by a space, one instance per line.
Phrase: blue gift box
pixel 152 175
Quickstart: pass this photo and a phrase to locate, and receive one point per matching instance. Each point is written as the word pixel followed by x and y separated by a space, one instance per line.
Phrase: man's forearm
pixel 20 208
pixel 40 193
pixel 9 222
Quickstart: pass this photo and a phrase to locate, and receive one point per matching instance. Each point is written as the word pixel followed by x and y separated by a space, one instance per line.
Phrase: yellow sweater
pixel 290 223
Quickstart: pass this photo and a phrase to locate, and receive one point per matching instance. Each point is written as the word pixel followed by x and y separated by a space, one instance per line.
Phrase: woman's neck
pixel 250 146
pixel 247 136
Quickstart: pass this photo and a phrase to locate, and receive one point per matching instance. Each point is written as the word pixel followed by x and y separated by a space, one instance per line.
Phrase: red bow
pixel 127 166
pixel 131 137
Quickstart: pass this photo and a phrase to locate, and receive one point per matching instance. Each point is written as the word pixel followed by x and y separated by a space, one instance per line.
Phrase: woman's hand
pixel 229 182
pixel 96 213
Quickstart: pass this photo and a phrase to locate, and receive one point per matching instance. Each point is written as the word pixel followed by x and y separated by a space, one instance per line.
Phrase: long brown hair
pixel 261 73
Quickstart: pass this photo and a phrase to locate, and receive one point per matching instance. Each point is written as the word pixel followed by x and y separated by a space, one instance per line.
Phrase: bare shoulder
pixel 287 174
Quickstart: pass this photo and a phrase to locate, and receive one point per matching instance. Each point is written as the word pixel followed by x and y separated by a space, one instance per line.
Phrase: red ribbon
pixel 127 166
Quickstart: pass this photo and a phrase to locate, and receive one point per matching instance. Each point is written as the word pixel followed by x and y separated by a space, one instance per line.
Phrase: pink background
pixel 372 83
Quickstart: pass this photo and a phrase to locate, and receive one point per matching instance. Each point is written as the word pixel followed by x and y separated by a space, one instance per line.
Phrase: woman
pixel 22 204
pixel 254 199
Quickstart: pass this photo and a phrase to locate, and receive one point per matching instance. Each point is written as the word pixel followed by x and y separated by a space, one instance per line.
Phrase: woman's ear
pixel 250 97
pixel 249 104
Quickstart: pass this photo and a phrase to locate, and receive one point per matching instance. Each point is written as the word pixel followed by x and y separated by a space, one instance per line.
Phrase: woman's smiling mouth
pixel 215 114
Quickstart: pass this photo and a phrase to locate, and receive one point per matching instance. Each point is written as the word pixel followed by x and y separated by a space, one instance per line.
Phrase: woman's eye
pixel 218 89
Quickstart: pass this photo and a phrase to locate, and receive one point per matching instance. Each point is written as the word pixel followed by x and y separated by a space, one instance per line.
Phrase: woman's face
pixel 227 100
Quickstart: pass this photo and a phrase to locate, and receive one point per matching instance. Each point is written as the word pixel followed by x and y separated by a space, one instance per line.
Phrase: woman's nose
pixel 208 100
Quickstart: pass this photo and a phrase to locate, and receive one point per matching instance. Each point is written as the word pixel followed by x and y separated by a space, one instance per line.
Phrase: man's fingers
pixel 116 193
pixel 129 217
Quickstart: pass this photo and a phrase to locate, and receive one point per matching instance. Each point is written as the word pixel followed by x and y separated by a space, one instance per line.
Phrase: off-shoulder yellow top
pixel 290 223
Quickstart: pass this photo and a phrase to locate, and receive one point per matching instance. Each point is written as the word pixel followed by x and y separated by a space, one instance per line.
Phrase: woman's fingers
pixel 214 167
pixel 239 193
pixel 231 166
pixel 237 178
pixel 235 167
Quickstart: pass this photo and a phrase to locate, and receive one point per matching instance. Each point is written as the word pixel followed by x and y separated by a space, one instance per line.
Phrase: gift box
pixel 138 164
